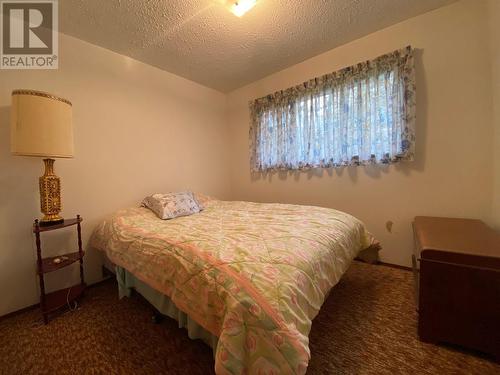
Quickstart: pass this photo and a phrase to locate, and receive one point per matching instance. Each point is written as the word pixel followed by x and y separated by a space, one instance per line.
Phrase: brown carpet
pixel 367 326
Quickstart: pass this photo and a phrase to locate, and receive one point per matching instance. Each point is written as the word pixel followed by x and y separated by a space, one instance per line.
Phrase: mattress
pixel 254 275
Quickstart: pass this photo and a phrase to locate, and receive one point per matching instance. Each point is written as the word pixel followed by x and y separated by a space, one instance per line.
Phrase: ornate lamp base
pixel 47 221
pixel 50 195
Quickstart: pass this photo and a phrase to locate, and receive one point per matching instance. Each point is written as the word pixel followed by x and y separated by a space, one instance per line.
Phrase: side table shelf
pixel 50 264
pixel 50 302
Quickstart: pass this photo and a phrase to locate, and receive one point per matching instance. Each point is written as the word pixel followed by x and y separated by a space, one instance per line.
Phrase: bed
pixel 247 278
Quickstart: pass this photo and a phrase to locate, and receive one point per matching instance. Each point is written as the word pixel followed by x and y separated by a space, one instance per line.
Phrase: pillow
pixel 172 205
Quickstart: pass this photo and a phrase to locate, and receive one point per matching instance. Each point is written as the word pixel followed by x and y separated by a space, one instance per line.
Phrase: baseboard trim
pixel 37 305
pixel 20 311
pixel 405 268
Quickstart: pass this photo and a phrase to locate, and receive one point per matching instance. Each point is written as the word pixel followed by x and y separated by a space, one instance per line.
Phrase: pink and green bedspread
pixel 253 274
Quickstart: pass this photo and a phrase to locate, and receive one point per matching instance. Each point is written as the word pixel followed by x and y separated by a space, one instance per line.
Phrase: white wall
pixel 138 130
pixel 494 24
pixel 452 174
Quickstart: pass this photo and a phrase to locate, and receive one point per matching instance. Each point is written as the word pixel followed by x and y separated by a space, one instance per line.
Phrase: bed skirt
pixel 127 282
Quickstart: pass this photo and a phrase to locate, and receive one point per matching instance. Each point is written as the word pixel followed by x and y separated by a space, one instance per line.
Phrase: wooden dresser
pixel 457 277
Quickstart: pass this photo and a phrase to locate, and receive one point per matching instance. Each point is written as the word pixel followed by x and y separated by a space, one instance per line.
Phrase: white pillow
pixel 172 205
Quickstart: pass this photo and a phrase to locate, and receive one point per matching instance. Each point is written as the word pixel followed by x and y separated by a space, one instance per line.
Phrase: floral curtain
pixel 358 115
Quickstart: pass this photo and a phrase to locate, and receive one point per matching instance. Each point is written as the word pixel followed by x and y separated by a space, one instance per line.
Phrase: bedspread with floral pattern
pixel 253 274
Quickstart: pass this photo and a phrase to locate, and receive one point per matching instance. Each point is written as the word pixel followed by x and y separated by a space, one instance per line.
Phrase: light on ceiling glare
pixel 240 7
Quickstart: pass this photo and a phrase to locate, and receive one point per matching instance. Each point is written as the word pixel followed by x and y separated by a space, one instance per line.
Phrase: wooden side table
pixel 50 302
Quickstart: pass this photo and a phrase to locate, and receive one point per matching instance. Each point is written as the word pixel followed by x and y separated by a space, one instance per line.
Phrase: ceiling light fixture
pixel 240 7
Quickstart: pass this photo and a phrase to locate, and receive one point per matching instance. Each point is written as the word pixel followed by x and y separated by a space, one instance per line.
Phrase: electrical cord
pixel 68 302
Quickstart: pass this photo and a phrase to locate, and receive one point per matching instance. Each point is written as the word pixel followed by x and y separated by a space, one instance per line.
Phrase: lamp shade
pixel 41 125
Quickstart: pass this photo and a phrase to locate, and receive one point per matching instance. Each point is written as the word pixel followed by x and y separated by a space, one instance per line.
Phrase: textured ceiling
pixel 202 41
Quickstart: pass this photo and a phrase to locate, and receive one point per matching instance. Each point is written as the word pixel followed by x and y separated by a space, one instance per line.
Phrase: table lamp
pixel 41 126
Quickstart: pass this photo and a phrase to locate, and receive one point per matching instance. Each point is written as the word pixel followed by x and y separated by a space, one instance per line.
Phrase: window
pixel 358 115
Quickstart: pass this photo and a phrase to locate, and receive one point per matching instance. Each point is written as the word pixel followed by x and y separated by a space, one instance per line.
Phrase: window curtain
pixel 358 115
